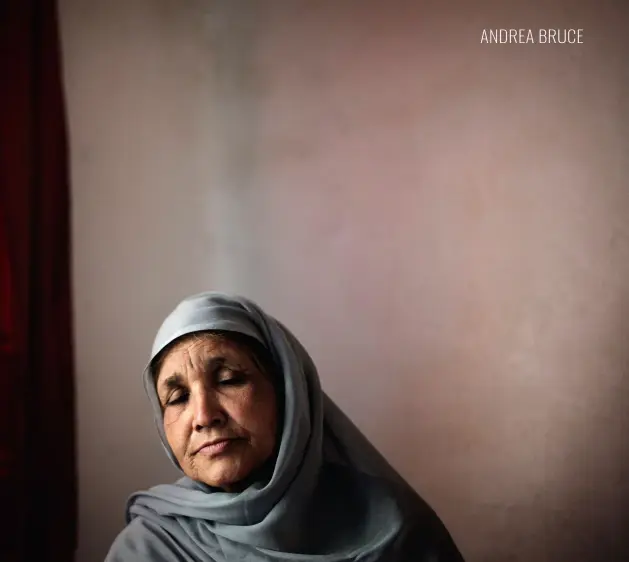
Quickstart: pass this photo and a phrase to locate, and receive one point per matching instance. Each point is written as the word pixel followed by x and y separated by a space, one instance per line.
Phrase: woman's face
pixel 220 414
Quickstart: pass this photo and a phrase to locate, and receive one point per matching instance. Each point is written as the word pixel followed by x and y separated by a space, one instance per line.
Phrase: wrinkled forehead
pixel 234 346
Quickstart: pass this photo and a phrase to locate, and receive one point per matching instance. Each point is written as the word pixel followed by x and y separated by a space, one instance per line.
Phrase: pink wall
pixel 443 223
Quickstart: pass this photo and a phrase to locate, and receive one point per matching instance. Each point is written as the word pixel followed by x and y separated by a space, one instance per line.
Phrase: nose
pixel 207 410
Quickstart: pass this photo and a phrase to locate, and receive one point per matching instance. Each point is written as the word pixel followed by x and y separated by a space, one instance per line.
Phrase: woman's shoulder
pixel 426 539
pixel 423 536
pixel 143 541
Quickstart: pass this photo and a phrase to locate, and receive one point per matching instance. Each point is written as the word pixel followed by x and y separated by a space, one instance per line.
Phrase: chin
pixel 223 474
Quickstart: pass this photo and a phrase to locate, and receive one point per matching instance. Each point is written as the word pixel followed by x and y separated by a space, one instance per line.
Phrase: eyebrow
pixel 172 381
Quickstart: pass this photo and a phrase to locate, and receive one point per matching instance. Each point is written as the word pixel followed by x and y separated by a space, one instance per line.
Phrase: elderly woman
pixel 273 469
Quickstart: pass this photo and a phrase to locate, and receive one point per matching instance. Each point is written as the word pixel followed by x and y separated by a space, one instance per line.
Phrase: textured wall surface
pixel 445 225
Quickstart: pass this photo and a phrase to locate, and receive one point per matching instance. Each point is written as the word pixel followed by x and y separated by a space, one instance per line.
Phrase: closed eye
pixel 179 397
pixel 231 378
pixel 231 382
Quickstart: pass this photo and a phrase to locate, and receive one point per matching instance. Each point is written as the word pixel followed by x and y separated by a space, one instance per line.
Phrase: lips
pixel 215 447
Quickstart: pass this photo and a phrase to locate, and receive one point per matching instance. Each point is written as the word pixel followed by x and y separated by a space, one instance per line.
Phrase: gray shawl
pixel 331 496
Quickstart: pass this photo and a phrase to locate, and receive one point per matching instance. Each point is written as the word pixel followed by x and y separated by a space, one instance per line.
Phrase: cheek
pixel 255 412
pixel 175 429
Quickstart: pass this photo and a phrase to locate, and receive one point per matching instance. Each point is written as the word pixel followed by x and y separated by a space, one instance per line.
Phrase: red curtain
pixel 37 430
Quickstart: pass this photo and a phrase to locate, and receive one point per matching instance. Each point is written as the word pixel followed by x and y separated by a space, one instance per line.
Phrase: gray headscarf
pixel 331 496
